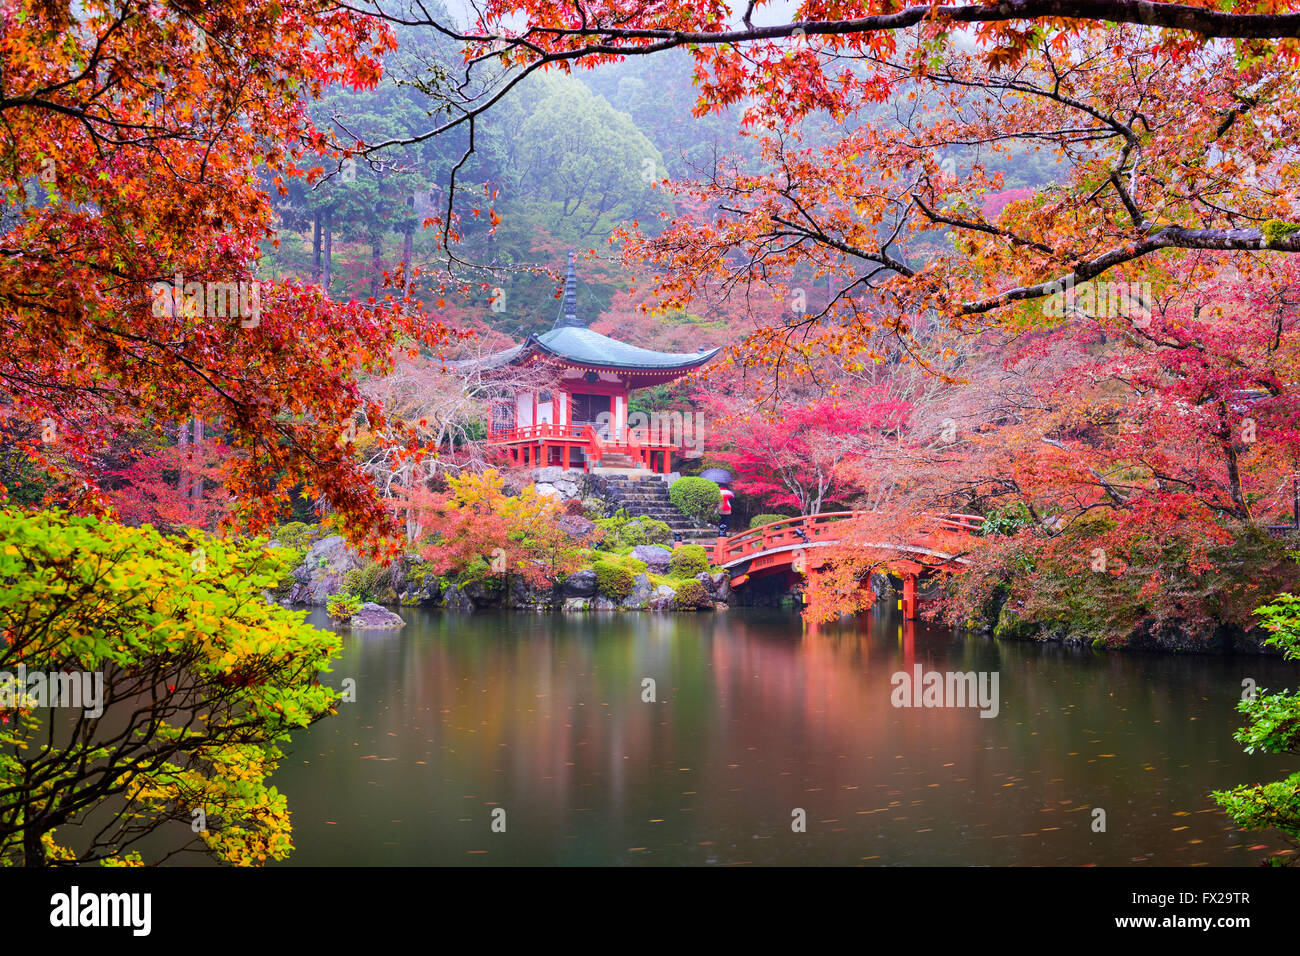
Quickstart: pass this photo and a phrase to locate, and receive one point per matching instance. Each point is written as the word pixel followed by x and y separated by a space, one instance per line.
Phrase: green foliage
pixel 691 596
pixel 624 531
pixel 696 497
pixel 759 520
pixel 367 583
pixel 1148 580
pixel 688 561
pixel 614 581
pixel 1277 230
pixel 1273 727
pixel 298 535
pixel 417 574
pixel 292 558
pixel 342 606
pixel 1006 521
pixel 179 622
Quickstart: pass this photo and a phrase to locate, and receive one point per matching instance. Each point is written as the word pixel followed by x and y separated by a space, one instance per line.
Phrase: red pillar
pixel 564 457
pixel 909 597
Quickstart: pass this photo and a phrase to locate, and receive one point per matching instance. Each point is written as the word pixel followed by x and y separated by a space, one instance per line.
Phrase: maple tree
pixel 800 459
pixel 477 526
pixel 132 140
pixel 1129 470
pixel 198 679
pixel 160 488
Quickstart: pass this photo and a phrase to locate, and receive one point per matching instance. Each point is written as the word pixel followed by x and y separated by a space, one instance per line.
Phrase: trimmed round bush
pixel 622 531
pixel 613 581
pixel 696 497
pixel 654 531
pixel 759 520
pixel 688 561
pixel 297 535
pixel 691 596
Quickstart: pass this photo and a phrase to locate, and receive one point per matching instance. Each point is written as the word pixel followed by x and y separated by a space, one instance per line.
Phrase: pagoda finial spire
pixel 569 311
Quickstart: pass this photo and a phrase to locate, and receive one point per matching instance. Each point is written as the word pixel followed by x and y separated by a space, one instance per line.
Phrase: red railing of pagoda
pixel 537 432
pixel 630 437
pixel 792 532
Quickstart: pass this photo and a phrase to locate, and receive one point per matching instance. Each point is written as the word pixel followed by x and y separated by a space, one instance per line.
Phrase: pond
pixel 527 739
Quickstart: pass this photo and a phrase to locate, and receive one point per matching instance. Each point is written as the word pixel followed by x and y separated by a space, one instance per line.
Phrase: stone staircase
pixel 647 496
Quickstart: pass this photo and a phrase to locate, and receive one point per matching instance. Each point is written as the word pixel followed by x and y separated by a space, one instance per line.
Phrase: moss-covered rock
pixel 691 596
pixel 613 581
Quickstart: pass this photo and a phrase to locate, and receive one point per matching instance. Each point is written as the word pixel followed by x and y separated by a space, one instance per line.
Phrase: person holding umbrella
pixel 722 478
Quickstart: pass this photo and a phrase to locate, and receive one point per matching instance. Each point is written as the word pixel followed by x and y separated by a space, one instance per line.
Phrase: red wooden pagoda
pixel 583 421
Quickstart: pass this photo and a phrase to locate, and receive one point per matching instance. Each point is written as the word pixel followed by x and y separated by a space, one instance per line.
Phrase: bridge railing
pixel 805 529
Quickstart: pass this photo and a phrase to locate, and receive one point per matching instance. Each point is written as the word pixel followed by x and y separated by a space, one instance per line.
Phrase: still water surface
pixel 542 716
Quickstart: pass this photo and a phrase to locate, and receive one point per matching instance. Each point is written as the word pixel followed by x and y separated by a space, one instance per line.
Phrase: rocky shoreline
pixel 1150 636
pixel 327 563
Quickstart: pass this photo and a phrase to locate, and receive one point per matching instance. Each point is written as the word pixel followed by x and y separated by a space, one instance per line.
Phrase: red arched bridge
pixel 790 546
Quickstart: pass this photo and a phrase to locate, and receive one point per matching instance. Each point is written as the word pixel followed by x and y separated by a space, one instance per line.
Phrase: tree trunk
pixel 183 443
pixel 315 247
pixel 407 244
pixel 196 489
pixel 33 849
pixel 327 266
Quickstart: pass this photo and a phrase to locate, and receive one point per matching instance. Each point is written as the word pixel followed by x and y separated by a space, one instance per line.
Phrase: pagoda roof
pixel 581 346
pixel 572 343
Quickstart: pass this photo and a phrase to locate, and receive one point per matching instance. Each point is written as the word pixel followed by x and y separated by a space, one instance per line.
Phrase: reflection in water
pixel 542 716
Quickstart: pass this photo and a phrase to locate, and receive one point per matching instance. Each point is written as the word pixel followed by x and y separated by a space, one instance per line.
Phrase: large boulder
pixel 580 584
pixel 321 572
pixel 455 600
pixel 655 557
pixel 641 591
pixel 717 583
pixel 484 593
pixel 662 598
pixel 576 526
pixel 525 595
pixel 555 481
pixel 421 588
pixel 375 616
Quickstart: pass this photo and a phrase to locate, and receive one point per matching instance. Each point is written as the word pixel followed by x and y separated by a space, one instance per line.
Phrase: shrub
pixel 178 622
pixel 688 561
pixel 574 506
pixel 1273 727
pixel 342 606
pixel 622 531
pixel 696 497
pixel 760 520
pixel 292 557
pixel 691 596
pixel 297 535
pixel 613 581
pixel 367 582
pixel 593 508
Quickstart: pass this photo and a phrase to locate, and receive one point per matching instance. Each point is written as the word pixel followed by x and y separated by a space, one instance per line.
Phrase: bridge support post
pixel 909 597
